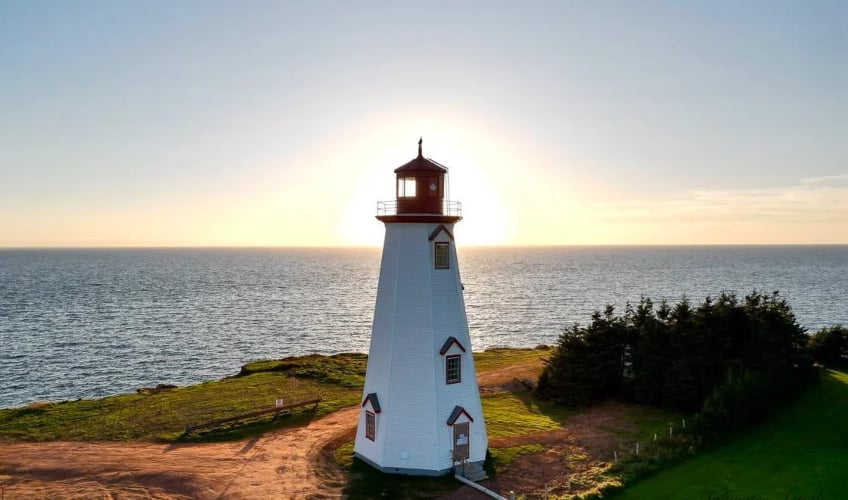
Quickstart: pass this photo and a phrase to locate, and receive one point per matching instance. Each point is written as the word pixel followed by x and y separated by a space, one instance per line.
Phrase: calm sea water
pixel 89 323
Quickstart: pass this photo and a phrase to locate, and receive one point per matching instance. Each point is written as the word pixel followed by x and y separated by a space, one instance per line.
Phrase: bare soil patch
pixel 571 457
pixel 509 378
pixel 277 465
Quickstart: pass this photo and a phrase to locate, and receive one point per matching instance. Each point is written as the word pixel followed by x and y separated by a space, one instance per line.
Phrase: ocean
pixel 85 323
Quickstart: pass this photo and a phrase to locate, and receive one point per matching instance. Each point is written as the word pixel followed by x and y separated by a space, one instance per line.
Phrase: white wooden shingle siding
pixel 418 308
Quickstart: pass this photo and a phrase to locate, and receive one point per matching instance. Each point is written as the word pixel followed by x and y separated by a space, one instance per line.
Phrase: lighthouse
pixel 420 410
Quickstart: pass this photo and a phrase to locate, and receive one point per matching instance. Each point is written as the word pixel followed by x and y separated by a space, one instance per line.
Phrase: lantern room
pixel 420 190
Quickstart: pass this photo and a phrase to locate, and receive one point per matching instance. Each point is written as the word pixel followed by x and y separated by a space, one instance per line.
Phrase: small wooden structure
pixel 276 410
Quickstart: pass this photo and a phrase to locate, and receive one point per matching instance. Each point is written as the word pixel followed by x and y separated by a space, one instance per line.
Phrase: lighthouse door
pixel 460 441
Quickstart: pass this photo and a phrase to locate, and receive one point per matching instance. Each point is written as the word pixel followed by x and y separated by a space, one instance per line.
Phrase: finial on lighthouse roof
pixel 420 140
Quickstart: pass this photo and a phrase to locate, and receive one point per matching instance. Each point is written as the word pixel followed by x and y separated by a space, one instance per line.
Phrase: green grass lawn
pixel 518 413
pixel 164 415
pixel 802 452
pixel 499 357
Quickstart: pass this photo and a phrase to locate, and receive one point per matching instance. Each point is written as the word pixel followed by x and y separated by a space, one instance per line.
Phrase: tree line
pixel 729 361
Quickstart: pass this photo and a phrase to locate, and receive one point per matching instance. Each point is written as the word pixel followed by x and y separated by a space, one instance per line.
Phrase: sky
pixel 204 123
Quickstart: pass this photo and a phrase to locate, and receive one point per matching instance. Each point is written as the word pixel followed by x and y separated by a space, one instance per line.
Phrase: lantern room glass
pixel 406 187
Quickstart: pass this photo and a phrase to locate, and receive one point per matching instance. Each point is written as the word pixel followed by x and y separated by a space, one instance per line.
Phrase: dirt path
pixel 276 465
pixel 287 463
pixel 507 378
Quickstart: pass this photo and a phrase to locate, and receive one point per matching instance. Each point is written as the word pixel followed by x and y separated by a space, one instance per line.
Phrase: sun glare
pixel 455 143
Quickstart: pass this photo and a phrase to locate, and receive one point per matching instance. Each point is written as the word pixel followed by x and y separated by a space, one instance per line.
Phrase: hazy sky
pixel 279 123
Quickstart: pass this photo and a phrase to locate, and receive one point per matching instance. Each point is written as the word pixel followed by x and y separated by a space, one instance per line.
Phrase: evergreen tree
pixel 829 346
pixel 731 360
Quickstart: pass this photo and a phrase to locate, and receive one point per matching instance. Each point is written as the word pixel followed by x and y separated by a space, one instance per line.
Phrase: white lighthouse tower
pixel 421 412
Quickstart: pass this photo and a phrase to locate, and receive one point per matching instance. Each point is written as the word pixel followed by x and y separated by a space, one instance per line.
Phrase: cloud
pixel 810 200
pixel 827 180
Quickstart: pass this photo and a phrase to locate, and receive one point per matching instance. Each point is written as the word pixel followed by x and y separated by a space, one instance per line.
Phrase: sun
pixel 484 221
pixel 494 171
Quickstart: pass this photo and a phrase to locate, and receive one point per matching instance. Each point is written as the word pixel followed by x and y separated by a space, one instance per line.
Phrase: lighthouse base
pixel 408 471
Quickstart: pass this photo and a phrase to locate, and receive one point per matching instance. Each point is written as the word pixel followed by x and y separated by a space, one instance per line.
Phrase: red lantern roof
pixel 421 164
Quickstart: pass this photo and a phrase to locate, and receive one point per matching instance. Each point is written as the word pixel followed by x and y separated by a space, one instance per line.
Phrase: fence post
pixel 637 448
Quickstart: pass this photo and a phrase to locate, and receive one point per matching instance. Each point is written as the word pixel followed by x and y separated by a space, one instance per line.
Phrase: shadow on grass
pixel 558 413
pixel 364 481
pixel 237 431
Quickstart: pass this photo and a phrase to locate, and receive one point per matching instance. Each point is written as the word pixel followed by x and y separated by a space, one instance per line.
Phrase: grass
pixel 366 482
pixel 346 370
pixel 500 357
pixel 164 415
pixel 503 457
pixel 800 453
pixel 509 414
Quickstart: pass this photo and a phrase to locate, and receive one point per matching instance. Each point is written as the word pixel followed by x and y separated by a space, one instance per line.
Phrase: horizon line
pixel 353 247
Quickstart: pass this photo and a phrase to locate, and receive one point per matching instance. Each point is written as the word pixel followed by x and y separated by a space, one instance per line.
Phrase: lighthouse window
pixel 406 187
pixel 453 370
pixel 442 255
pixel 370 425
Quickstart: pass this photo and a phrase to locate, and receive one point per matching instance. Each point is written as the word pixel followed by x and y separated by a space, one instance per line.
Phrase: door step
pixel 473 472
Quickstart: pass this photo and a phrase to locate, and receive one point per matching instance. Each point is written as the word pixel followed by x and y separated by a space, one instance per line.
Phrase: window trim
pixel 458 378
pixel 370 425
pixel 407 187
pixel 436 247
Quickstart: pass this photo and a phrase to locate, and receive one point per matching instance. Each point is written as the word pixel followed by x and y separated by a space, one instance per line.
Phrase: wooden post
pixel 637 448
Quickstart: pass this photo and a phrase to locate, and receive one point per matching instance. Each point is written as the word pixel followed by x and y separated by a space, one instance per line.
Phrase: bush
pixel 829 346
pixel 731 360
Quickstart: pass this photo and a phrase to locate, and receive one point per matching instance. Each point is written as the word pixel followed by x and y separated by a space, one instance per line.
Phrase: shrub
pixel 829 346
pixel 731 360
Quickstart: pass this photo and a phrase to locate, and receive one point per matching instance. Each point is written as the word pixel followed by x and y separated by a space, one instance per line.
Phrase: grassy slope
pixel 164 415
pixel 800 453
